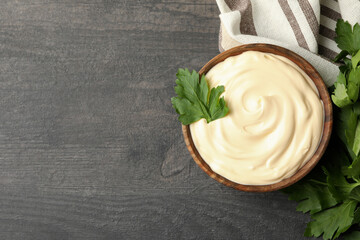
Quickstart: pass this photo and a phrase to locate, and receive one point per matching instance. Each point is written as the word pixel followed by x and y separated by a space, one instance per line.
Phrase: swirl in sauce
pixel 274 124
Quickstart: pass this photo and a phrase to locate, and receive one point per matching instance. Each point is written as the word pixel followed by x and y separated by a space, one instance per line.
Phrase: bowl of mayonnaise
pixel 279 123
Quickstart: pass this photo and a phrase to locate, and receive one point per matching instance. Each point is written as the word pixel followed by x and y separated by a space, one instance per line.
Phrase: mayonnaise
pixel 274 124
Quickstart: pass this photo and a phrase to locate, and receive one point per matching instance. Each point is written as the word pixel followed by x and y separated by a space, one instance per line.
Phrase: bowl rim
pixel 327 127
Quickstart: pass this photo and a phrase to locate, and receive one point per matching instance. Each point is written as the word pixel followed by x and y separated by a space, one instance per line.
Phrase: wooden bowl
pixel 324 95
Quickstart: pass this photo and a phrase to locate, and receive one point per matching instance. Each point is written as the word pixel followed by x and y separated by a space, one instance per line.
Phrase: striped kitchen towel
pixel 307 27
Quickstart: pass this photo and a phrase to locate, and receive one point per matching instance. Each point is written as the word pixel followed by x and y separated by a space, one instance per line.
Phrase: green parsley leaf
pixel 341 79
pixel 355 59
pixel 189 112
pixel 348 128
pixel 340 96
pixel 352 171
pixel 311 196
pixel 353 84
pixel 356 144
pixel 335 220
pixel 347 92
pixel 194 101
pixel 339 187
pixel 346 125
pixel 347 38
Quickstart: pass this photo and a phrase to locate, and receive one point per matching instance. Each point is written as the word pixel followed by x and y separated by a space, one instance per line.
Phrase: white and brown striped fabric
pixel 305 26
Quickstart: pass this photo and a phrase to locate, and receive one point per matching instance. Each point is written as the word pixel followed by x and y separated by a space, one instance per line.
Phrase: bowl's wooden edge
pixel 328 122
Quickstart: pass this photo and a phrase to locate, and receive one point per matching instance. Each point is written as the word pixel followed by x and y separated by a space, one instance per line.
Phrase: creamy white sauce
pixel 274 124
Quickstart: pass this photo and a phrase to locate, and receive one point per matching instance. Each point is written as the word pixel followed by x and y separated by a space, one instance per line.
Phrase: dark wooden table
pixel 90 147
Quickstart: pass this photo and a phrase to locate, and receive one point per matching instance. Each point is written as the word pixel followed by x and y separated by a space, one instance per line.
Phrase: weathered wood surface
pixel 90 147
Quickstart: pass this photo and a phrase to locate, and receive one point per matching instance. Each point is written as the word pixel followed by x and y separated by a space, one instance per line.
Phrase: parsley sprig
pixel 348 81
pixel 331 193
pixel 195 101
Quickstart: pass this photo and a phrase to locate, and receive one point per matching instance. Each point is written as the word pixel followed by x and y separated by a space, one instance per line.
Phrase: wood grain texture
pixel 90 147
pixel 327 128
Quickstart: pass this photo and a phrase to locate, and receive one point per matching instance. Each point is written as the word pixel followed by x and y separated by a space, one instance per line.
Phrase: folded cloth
pixel 307 27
